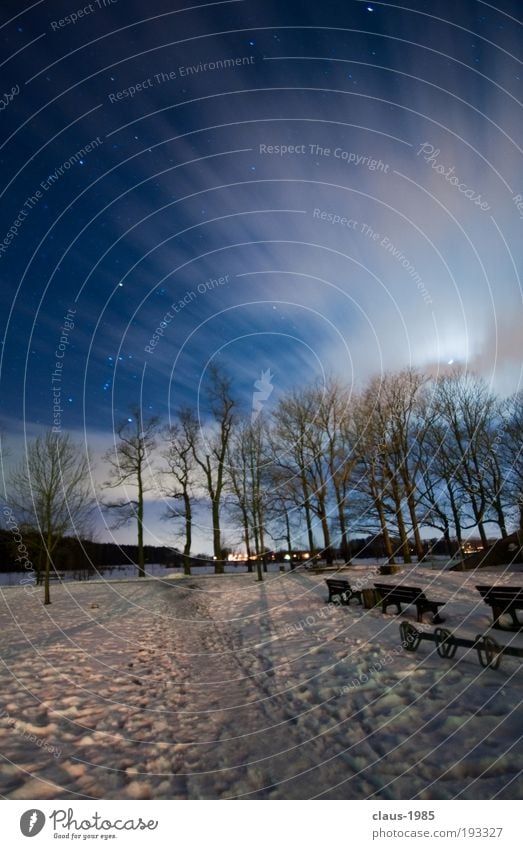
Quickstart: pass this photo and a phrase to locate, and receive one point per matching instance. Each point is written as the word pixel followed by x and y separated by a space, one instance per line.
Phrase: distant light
pixel 120 284
pixel 449 363
pixel 129 420
pixel 370 9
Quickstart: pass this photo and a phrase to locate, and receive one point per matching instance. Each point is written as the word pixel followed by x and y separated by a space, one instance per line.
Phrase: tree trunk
pixel 217 537
pixel 188 535
pixel 455 517
pixel 344 542
pixel 263 553
pixel 139 520
pixel 404 542
pixel 288 535
pixel 259 565
pixel 420 551
pixel 501 517
pixel 259 572
pixel 329 555
pixel 47 594
pixel 384 531
pixel 247 538
pixel 448 542
pixel 483 534
pixel 308 521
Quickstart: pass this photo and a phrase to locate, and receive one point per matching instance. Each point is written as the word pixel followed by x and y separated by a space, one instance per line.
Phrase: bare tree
pixel 292 454
pixel 129 461
pixel 464 409
pixel 508 445
pixel 210 451
pixel 4 454
pixel 251 482
pixel 51 489
pixel 283 516
pixel 179 482
pixel 334 449
pixel 407 431
pixel 372 472
pixel 239 486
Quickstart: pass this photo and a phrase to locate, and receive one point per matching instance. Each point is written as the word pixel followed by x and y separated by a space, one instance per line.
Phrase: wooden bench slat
pixel 408 595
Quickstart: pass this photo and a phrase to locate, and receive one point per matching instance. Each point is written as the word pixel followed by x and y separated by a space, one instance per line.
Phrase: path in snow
pixel 222 687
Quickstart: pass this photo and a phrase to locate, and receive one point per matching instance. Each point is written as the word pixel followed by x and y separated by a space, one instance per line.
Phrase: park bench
pixel 343 589
pixel 53 576
pixel 503 600
pixel 408 595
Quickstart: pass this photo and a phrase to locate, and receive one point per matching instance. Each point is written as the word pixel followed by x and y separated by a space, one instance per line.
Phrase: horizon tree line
pixel 405 454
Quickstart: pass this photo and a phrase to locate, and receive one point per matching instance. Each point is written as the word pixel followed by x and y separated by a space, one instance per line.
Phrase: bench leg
pixel 333 595
pixel 422 609
pixel 498 612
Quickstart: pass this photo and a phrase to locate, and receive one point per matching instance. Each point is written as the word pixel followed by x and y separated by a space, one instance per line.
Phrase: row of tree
pixel 404 455
pixel 401 456
pixel 81 557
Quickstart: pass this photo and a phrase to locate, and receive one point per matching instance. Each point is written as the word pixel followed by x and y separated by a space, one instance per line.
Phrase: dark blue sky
pixel 315 187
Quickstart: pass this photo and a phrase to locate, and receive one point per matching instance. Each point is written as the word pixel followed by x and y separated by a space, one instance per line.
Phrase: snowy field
pixel 155 570
pixel 220 687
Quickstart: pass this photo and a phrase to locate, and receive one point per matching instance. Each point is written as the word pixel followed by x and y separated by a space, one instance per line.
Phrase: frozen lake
pixel 153 570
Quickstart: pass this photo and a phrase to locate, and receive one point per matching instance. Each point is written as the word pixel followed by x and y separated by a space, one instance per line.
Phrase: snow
pixel 223 687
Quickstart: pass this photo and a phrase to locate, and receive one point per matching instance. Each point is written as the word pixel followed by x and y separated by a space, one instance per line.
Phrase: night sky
pixel 306 187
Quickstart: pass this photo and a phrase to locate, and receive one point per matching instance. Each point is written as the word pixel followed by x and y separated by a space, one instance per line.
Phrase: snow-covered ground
pixel 220 687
